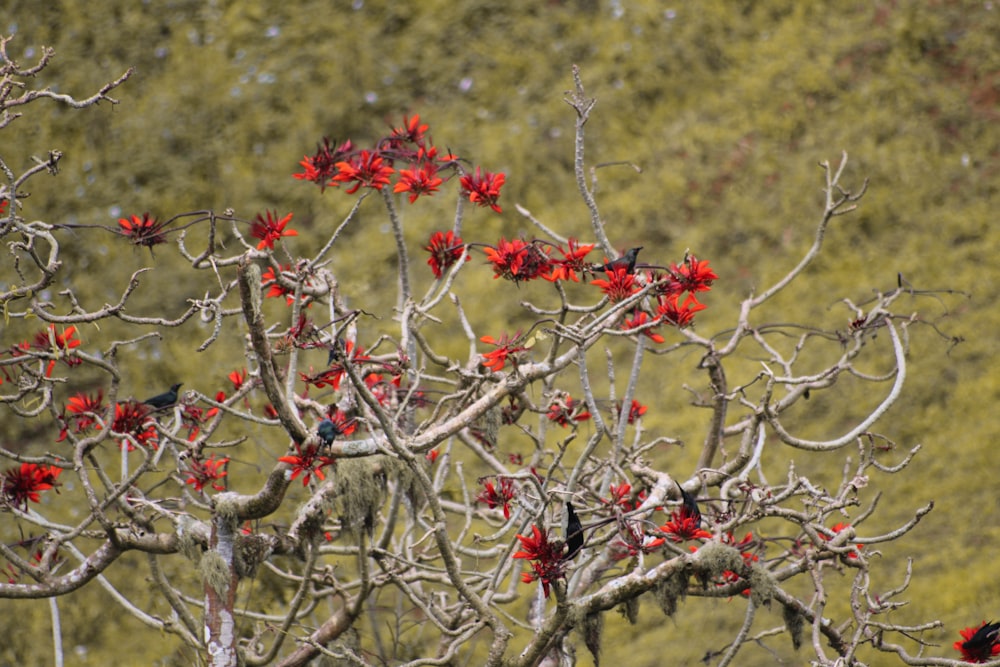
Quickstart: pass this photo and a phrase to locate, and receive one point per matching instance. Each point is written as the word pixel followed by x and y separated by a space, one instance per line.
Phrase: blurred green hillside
pixel 726 107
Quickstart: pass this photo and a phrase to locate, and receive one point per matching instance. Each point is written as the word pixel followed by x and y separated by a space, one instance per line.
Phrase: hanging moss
pixel 360 491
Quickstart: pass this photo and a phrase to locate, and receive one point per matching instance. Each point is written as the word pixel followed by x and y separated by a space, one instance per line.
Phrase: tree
pixel 414 504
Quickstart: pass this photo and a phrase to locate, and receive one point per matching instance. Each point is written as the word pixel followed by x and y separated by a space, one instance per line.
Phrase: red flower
pixel 432 456
pixel 365 169
pixel 483 188
pixel 620 284
pixel 412 132
pixel 321 167
pixel 19 485
pixel 142 231
pixel 744 546
pixel 640 318
pixel 621 496
pixel 85 409
pixel 564 410
pixel 632 541
pixel 635 410
pixel 573 261
pixel 419 180
pixel 333 375
pixel 58 344
pixel 518 260
pixel 133 418
pixel 193 417
pixel 308 461
pixel 209 471
pixel 684 525
pixel 547 563
pixel 238 378
pixel 496 359
pixel 276 289
pixel 270 229
pixel 838 528
pixel 664 283
pixel 680 316
pixel 980 644
pixel 48 340
pixel 445 249
pixel 499 495
pixel 694 275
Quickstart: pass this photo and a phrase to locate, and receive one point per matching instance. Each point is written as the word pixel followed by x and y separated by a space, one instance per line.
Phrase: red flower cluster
pixel 133 418
pixel 308 461
pixel 632 541
pixel 58 344
pixel 979 644
pixel 366 168
pixel 621 496
pixel 86 409
pixel 694 275
pixel 144 231
pixel 496 359
pixel 269 229
pixel 193 417
pixel 269 279
pixel 321 167
pixel 547 562
pixel 374 168
pixel 238 378
pixel 483 188
pixel 332 376
pixel 19 485
pixel 445 248
pixel 745 547
pixel 635 411
pixel 678 314
pixel 685 524
pixel 838 528
pixel 564 410
pixel 498 495
pixel 690 277
pixel 639 319
pixel 519 260
pixel 209 471
pixel 620 284
pixel 571 263
pixel 422 176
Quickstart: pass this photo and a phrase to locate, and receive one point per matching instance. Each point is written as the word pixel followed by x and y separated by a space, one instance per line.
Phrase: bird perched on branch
pixel 690 503
pixel 980 647
pixel 626 261
pixel 164 400
pixel 574 532
pixel 327 432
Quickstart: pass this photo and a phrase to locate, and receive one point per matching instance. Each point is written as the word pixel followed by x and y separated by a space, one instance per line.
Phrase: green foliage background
pixel 726 106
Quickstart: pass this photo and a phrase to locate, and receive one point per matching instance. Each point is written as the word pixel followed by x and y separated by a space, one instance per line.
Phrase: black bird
pixel 980 645
pixel 327 431
pixel 164 400
pixel 690 505
pixel 574 532
pixel 627 260
pixel 336 352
